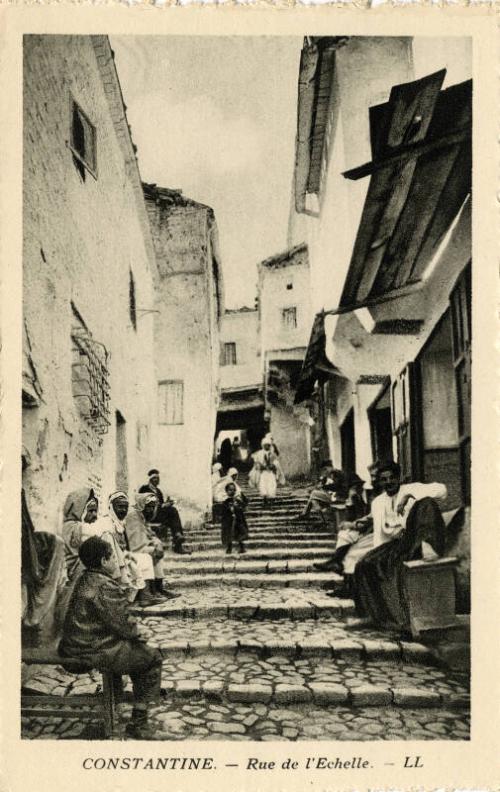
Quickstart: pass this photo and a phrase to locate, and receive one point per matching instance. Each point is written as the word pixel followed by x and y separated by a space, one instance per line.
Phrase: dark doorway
pixel 380 418
pixel 348 450
pixel 121 479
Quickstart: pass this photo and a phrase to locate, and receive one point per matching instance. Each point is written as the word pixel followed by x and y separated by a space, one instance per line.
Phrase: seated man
pixel 142 539
pixel 354 530
pixel 407 524
pixel 99 630
pixel 167 515
pixel 327 493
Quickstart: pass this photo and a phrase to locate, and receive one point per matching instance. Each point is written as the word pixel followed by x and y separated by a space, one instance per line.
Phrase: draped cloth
pixel 379 576
pixel 43 570
pixel 263 475
pixel 73 530
pixel 112 531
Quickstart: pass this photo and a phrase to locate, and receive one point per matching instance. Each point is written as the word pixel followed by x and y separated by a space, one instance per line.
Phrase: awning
pixel 316 366
pixel 420 178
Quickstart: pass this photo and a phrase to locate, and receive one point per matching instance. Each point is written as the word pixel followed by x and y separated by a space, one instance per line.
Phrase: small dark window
pixel 289 286
pixel 289 318
pixel 131 300
pixel 229 356
pixel 83 142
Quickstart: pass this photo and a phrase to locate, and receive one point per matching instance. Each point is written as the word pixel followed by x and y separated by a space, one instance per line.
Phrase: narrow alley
pixel 247 357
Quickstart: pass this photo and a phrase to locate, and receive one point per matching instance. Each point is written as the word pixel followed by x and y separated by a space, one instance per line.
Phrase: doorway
pixel 380 418
pixel 121 477
pixel 347 443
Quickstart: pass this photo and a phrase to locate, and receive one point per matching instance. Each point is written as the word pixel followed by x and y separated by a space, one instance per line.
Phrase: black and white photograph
pixel 246 388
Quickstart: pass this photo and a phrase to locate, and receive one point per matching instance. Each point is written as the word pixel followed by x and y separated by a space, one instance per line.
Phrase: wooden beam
pixel 405 152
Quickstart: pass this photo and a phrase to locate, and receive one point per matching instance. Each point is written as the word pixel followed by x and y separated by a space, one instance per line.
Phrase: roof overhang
pixel 313 106
pixel 420 179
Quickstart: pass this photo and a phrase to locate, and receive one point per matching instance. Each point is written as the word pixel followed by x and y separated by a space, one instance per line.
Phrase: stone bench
pixel 430 589
pixel 62 706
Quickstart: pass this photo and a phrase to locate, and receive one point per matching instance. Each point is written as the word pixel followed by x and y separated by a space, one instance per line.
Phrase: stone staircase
pixel 254 649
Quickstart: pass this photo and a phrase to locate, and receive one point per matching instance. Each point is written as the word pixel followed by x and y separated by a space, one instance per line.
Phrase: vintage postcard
pixel 249 280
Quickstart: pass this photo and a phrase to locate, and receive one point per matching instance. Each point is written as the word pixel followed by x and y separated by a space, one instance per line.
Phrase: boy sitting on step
pixel 234 526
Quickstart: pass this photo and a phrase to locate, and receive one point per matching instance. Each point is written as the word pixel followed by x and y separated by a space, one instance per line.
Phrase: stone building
pixel 382 195
pixel 284 295
pixel 88 380
pixel 241 407
pixel 188 308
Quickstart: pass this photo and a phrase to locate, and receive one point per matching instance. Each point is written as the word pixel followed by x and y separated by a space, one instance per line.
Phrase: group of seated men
pixel 137 536
pixel 376 534
pixel 112 561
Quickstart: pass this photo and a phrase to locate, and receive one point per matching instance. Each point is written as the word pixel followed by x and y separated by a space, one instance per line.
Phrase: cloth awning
pixel 420 178
pixel 316 366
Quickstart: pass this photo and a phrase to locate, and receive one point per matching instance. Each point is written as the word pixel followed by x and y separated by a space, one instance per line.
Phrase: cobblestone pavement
pixel 270 661
pixel 261 722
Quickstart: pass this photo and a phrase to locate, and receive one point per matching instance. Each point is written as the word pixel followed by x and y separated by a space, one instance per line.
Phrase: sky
pixel 216 118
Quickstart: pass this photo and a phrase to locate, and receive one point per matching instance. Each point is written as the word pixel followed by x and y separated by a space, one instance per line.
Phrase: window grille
pixel 171 402
pixel 289 318
pixel 83 141
pixel 229 358
pixel 90 379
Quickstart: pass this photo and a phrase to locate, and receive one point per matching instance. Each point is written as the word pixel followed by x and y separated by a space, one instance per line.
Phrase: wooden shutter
pixel 405 422
pixel 460 302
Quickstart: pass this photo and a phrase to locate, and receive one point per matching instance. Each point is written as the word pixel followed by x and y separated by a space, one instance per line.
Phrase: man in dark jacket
pixel 167 515
pixel 99 630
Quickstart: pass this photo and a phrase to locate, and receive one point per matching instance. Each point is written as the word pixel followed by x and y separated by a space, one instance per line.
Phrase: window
pixel 171 402
pixel 229 354
pixel 289 285
pixel 131 300
pixel 289 318
pixel 90 378
pixel 83 141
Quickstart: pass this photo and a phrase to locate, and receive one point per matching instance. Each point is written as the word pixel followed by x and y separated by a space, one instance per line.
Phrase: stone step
pixel 252 580
pixel 238 564
pixel 282 532
pixel 213 542
pixel 262 554
pixel 229 602
pixel 325 637
pixel 285 681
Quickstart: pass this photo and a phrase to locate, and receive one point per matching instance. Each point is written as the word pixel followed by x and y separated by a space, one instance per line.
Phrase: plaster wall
pixel 186 349
pixel 241 328
pixel 284 286
pixel 81 238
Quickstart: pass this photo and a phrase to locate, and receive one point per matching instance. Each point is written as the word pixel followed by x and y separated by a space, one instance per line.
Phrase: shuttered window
pixel 405 424
pixel 171 402
pixel 289 318
pixel 229 354
pixel 460 301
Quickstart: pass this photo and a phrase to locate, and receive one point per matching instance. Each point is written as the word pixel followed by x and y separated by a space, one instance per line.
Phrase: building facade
pixel 241 406
pixel 188 309
pixel 88 268
pixel 284 299
pixel 382 197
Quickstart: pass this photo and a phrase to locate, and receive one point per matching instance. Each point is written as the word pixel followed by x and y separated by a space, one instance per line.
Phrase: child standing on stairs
pixel 234 526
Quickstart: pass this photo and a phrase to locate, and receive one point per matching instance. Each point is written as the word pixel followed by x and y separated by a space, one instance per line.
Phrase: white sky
pixel 216 118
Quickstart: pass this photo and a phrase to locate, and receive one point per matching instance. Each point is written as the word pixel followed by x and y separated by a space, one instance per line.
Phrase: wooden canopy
pixel 420 177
